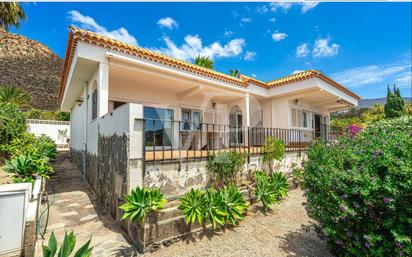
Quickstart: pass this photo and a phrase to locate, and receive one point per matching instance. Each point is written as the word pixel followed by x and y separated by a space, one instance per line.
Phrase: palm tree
pixel 13 95
pixel 11 13
pixel 234 73
pixel 204 61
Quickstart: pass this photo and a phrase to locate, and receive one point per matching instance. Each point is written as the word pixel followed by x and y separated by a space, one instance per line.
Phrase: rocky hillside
pixel 31 66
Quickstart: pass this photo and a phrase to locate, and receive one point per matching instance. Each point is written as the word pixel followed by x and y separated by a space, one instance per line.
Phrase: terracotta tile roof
pixel 76 35
pixel 308 74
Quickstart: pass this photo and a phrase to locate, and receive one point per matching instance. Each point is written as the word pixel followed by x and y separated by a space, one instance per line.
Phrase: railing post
pixel 248 145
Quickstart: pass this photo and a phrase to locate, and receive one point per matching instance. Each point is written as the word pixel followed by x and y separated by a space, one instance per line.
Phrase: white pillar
pixel 103 89
pixel 247 100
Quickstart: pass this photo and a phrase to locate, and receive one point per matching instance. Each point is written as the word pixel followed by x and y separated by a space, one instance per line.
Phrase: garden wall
pixel 174 178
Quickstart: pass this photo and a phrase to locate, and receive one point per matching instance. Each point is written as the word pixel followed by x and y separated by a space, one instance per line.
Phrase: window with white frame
pixel 191 119
pixel 299 118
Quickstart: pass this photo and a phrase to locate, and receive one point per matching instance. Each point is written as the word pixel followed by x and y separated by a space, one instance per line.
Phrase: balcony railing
pixel 168 140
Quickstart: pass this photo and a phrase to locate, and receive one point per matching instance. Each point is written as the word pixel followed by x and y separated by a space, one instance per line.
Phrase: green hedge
pixel 360 190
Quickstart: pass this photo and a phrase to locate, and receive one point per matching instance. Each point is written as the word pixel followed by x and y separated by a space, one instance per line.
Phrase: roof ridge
pixel 75 29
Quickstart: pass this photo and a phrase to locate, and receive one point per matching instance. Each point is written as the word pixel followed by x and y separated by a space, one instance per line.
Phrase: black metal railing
pixel 183 140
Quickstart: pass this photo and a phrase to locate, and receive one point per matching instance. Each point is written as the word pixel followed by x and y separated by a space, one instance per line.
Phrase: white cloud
pixel 245 20
pixel 254 75
pixel 279 36
pixel 297 71
pixel 398 72
pixel 404 79
pixel 323 48
pixel 167 23
pixel 87 22
pixel 228 33
pixel 193 47
pixel 272 19
pixel 249 56
pixel 280 5
pixel 302 50
pixel 285 6
pixel 306 6
pixel 262 9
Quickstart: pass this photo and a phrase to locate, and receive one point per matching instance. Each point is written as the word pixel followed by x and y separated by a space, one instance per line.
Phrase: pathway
pixel 75 207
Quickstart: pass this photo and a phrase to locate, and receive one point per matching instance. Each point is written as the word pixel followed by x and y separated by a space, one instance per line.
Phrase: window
pixel 305 119
pixel 299 118
pixel 158 126
pixel 94 104
pixel 191 120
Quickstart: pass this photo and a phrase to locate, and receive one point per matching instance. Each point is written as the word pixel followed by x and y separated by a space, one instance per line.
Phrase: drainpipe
pixel 85 128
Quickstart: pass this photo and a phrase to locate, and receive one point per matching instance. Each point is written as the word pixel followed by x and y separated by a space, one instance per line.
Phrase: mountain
pixel 31 66
pixel 364 103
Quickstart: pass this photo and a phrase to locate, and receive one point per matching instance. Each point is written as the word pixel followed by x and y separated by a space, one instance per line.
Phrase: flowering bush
pixel 360 190
pixel 353 130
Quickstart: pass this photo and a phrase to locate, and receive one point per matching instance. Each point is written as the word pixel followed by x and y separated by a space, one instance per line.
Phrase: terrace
pixel 170 140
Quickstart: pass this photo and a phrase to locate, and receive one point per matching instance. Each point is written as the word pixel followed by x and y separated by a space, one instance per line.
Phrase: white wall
pixel 51 129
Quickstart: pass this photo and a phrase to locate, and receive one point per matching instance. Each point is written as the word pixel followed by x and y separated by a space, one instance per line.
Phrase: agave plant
pixel 279 184
pixel 140 202
pixel 269 189
pixel 67 247
pixel 22 168
pixel 264 191
pixel 215 209
pixel 234 204
pixel 193 205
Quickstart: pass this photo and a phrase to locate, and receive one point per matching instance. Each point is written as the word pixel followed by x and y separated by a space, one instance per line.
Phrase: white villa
pixel 140 118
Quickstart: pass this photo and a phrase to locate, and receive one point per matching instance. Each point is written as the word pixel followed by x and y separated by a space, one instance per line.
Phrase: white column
pixel 103 89
pixel 247 104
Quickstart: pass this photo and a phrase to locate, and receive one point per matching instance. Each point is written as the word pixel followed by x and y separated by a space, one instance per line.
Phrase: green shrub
pixel 22 168
pixel 12 123
pixel 297 174
pixel 140 202
pixel 67 247
pixel 273 149
pixel 360 190
pixel 269 189
pixel 219 207
pixel 226 166
pixel 40 149
pixel 47 115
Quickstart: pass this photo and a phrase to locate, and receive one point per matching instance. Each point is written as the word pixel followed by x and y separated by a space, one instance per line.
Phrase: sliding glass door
pixel 158 126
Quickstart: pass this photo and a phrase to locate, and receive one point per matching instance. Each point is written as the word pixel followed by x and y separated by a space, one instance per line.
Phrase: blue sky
pixel 364 46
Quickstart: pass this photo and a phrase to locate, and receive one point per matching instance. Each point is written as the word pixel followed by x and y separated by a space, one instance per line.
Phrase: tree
pixel 204 61
pixel 273 149
pixel 13 95
pixel 395 105
pixel 11 13
pixel 234 73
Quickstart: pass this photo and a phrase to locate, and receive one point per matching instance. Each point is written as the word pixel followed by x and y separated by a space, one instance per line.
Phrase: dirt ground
pixel 5 178
pixel 283 232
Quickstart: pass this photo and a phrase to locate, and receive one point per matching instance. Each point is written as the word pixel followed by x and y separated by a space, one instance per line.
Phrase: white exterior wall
pixel 77 125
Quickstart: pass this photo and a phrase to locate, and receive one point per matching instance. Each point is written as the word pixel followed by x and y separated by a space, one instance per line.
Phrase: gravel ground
pixel 283 232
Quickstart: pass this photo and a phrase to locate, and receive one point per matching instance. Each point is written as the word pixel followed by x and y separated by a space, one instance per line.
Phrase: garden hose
pixel 39 219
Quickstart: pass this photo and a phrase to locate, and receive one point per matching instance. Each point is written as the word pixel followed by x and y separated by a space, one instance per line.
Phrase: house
pixel 140 118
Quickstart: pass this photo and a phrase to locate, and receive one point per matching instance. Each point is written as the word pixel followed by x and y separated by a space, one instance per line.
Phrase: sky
pixel 363 46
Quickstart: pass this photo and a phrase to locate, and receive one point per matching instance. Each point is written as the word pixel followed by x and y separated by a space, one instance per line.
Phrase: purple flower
pixel 367 245
pixel 353 130
pixel 344 196
pixel 388 200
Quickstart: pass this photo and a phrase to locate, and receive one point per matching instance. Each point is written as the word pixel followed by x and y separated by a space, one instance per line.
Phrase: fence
pixel 165 140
